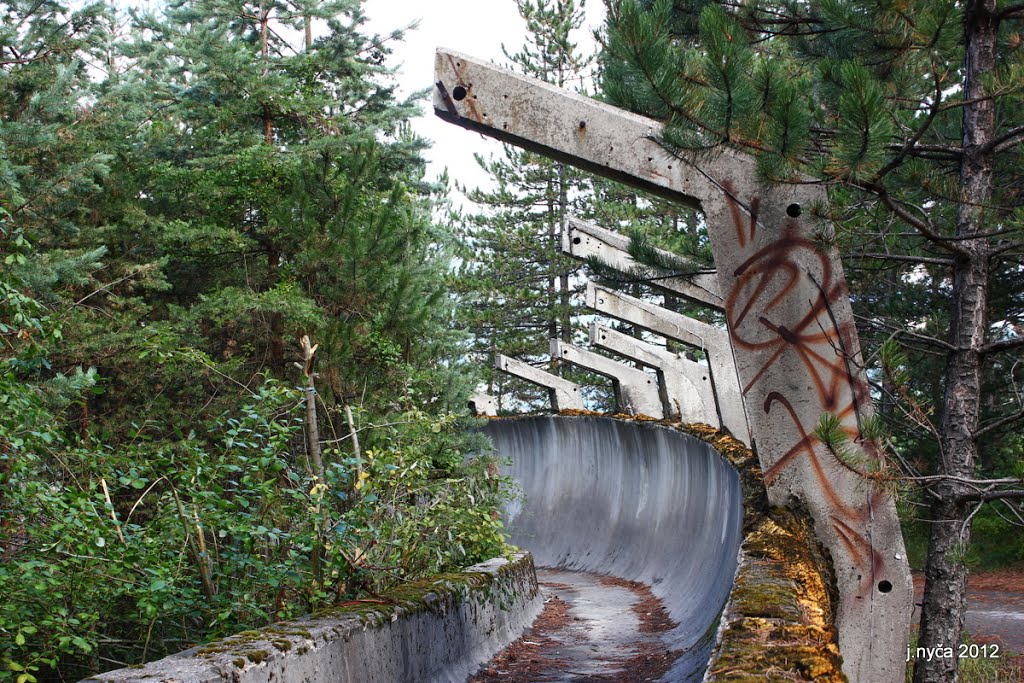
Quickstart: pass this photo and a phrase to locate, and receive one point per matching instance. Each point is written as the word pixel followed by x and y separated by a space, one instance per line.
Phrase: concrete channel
pixel 603 498
pixel 632 500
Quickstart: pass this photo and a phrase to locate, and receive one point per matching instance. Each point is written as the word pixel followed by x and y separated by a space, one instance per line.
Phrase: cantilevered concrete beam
pixel 564 394
pixel 636 392
pixel 584 240
pixel 712 340
pixel 788 313
pixel 685 386
pixel 483 404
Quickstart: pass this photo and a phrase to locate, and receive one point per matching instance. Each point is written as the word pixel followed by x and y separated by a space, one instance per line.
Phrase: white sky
pixel 475 27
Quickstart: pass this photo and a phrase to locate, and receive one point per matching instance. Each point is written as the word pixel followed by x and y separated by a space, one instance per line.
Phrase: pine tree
pixel 911 115
pixel 517 286
pixel 291 194
pixel 181 213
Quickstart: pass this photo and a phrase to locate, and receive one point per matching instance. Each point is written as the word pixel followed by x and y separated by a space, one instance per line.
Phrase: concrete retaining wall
pixel 439 630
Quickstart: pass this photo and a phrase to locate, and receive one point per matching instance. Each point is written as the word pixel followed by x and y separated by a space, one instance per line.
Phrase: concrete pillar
pixel 712 340
pixel 788 313
pixel 636 392
pixel 483 404
pixel 584 240
pixel 685 386
pixel 564 394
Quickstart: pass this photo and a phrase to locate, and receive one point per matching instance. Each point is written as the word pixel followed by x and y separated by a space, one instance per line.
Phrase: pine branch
pixel 903 331
pixel 1012 12
pixel 1002 345
pixel 985 496
pixel 934 260
pixel 1004 142
pixel 923 228
pixel 926 124
pixel 1001 422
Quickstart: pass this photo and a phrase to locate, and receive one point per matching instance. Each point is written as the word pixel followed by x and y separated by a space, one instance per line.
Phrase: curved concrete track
pixel 633 500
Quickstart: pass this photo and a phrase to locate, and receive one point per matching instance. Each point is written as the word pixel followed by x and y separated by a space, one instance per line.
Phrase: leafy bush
pixel 114 557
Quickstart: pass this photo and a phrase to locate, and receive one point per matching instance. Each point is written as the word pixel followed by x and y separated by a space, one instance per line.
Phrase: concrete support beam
pixel 712 340
pixel 685 386
pixel 636 392
pixel 483 404
pixel 788 313
pixel 564 394
pixel 584 240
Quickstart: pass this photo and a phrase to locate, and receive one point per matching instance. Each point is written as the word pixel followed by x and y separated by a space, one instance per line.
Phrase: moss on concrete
pixel 437 593
pixel 779 622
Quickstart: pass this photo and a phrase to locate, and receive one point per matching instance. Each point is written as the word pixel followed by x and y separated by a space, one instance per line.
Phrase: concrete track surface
pixel 632 500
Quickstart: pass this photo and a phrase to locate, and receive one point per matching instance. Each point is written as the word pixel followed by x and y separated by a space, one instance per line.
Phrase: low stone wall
pixel 439 630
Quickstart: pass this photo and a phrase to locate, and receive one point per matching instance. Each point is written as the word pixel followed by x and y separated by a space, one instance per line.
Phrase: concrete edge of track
pixel 439 631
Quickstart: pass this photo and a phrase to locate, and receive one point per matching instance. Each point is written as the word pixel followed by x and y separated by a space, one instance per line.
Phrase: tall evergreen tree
pixel 517 284
pixel 520 290
pixel 183 215
pixel 911 115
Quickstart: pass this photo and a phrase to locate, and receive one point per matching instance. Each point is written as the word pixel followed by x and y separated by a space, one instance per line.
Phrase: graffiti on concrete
pixel 765 319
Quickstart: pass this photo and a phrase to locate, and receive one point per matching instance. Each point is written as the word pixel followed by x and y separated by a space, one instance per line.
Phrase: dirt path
pixel 995 607
pixel 594 629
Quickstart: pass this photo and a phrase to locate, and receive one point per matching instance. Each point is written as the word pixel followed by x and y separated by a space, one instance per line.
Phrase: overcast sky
pixel 475 27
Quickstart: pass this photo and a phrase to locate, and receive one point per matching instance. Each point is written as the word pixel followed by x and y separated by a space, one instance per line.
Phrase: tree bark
pixel 563 277
pixel 945 595
pixel 312 424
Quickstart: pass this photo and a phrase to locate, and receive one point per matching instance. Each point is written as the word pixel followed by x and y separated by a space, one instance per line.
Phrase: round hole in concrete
pixel 459 93
pixel 793 210
pixel 884 586
pixel 576 240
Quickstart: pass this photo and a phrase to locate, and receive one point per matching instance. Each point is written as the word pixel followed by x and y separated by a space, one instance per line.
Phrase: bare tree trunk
pixel 268 117
pixel 276 320
pixel 945 595
pixel 313 451
pixel 563 278
pixel 312 426
pixel 556 366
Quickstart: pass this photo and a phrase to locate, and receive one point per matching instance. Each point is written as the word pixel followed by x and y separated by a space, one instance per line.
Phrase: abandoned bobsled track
pixel 644 524
pixel 633 500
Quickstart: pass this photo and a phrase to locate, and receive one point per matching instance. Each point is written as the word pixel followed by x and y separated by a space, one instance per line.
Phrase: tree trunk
pixel 556 366
pixel 563 278
pixel 268 116
pixel 276 320
pixel 945 595
pixel 312 424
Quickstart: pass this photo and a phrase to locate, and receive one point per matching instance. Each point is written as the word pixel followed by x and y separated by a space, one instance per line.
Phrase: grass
pixel 1007 668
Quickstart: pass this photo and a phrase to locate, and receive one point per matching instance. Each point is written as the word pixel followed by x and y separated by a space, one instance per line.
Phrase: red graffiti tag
pixel 768 317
